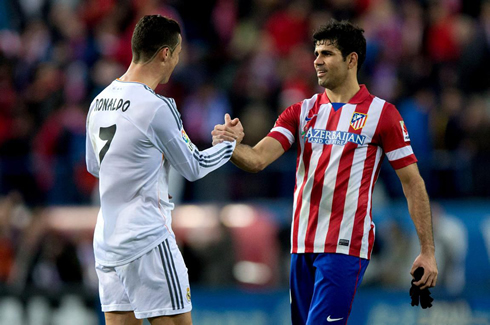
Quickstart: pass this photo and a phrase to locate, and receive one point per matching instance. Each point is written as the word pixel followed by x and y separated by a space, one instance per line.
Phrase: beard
pixel 332 82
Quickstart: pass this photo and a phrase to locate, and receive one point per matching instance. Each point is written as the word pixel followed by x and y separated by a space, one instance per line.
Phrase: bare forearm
pixel 419 208
pixel 247 158
pixel 255 159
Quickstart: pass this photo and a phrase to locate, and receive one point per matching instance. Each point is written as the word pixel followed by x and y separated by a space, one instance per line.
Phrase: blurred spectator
pixel 60 153
pixel 55 55
pixel 416 112
pixel 474 59
pixel 476 125
pixel 288 27
pixel 17 166
pixel 202 110
pixel 397 247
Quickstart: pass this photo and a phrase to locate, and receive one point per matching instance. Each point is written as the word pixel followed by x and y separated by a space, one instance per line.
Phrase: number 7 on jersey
pixel 107 134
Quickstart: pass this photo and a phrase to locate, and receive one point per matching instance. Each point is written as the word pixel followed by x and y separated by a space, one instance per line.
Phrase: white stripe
pixel 299 181
pixel 399 153
pixel 373 116
pixel 325 208
pixel 367 221
pixel 352 199
pixel 369 129
pixel 356 173
pixel 316 151
pixel 284 132
pixel 300 174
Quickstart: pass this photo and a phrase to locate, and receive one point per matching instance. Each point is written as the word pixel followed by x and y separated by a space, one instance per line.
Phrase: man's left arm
pixel 419 208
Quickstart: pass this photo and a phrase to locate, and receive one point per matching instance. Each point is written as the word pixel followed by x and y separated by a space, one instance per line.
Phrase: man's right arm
pixel 90 157
pixel 166 131
pixel 255 159
pixel 250 159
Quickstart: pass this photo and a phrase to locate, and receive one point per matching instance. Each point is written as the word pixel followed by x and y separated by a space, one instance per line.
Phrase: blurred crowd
pixel 431 58
pixel 252 59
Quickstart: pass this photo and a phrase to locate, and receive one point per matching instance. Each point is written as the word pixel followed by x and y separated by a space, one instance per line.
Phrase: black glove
pixel 417 294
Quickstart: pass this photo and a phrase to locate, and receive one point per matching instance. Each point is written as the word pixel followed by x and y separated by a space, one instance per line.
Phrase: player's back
pixel 132 174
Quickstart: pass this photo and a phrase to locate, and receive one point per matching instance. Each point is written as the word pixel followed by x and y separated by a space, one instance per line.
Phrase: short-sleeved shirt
pixel 340 150
pixel 133 137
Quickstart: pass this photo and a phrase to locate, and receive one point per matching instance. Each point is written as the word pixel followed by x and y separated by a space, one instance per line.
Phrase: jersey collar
pixel 358 98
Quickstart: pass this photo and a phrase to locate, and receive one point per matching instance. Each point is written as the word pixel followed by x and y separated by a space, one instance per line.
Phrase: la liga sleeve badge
pixel 187 141
pixel 406 137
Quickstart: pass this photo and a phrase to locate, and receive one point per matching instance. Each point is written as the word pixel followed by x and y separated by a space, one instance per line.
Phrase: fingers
pixel 218 129
pixel 427 281
pixel 216 141
pixel 230 122
pixel 423 282
pixel 221 133
pixel 232 130
pixel 234 122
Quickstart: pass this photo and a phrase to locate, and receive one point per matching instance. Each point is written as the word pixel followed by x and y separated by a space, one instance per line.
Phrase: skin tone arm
pixel 419 208
pixel 250 159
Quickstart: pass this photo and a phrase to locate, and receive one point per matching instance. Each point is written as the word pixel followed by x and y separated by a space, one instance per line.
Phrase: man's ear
pixel 164 54
pixel 352 60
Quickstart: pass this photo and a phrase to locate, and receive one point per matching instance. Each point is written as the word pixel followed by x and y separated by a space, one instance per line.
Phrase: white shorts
pixel 156 284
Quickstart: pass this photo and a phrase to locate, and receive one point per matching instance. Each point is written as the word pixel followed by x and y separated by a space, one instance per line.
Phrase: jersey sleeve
pixel 167 132
pixel 286 127
pixel 90 157
pixel 394 138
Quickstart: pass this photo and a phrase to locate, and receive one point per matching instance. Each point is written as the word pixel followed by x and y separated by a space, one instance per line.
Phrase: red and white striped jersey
pixel 339 157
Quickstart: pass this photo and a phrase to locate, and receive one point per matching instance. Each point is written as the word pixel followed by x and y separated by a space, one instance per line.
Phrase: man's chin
pixel 323 83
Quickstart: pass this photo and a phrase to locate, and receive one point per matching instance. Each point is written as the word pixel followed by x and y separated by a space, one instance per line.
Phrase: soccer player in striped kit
pixel 133 137
pixel 343 134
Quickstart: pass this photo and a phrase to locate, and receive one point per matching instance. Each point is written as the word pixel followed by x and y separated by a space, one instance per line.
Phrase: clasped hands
pixel 231 130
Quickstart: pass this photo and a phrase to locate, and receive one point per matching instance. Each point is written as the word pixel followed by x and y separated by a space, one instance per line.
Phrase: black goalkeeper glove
pixel 420 295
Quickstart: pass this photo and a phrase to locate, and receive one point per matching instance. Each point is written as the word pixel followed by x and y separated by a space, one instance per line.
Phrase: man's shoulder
pixel 376 102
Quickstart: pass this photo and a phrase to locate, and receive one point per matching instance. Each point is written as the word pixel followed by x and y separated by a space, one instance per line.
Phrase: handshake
pixel 231 130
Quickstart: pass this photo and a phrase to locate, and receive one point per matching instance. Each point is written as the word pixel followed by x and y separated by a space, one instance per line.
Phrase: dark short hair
pixel 152 33
pixel 345 36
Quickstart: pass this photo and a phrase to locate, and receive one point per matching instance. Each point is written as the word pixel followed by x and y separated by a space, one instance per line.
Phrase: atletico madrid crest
pixel 358 120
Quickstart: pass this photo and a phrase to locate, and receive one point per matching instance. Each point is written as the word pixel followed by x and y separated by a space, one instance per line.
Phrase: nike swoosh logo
pixel 309 118
pixel 329 319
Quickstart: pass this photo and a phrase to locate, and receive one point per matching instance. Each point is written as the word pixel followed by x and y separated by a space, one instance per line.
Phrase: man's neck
pixel 343 93
pixel 142 73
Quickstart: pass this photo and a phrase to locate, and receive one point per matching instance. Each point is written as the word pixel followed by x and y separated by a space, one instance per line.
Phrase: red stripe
pixel 299 202
pixel 403 162
pixel 317 189
pixel 283 140
pixel 361 211
pixel 355 290
pixel 341 186
pixel 371 230
pixel 339 195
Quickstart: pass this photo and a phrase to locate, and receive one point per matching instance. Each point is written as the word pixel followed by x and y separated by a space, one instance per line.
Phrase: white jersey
pixel 133 137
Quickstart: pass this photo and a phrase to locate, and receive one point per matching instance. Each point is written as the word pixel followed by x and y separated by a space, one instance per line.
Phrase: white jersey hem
pixel 133 257
pixel 162 312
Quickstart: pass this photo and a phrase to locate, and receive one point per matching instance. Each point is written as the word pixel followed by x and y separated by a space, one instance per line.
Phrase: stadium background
pixel 252 59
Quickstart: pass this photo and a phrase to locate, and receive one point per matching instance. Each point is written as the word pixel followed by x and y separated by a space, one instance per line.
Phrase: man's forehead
pixel 325 45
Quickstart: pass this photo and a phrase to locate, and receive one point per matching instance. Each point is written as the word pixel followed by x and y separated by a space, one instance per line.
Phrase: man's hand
pixel 418 295
pixel 428 262
pixel 230 131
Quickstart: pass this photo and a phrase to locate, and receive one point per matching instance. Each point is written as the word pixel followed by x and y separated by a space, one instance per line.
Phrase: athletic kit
pixel 133 137
pixel 340 150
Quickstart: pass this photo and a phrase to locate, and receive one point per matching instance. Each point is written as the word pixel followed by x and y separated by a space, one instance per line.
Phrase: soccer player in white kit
pixel 133 137
pixel 343 134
